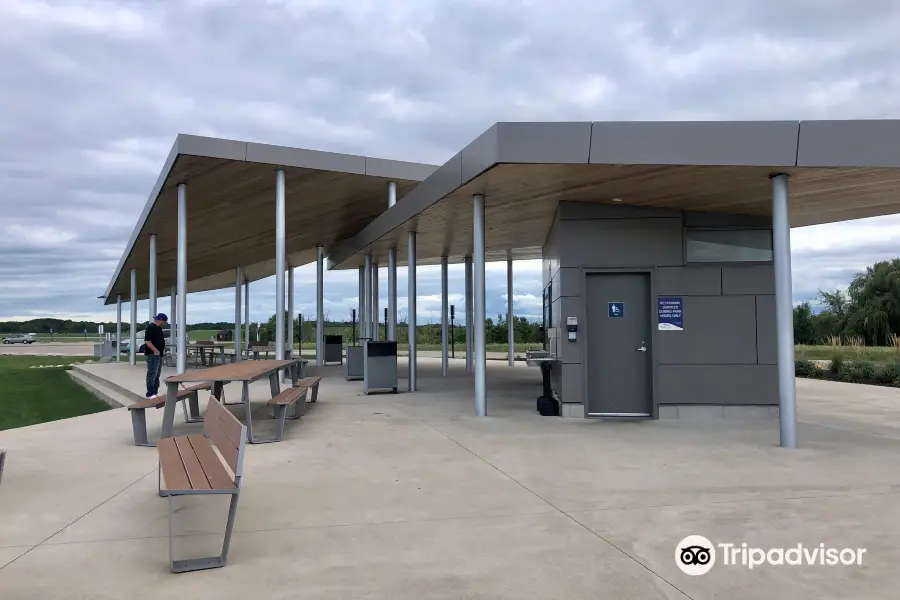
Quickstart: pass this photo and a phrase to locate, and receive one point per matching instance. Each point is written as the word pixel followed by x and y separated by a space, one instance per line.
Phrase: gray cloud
pixel 94 94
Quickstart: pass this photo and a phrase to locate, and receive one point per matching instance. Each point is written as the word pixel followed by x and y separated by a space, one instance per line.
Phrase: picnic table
pixel 244 371
pixel 201 347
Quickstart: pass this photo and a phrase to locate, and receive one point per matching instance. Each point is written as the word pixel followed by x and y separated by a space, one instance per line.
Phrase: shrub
pixel 836 364
pixel 804 368
pixel 888 374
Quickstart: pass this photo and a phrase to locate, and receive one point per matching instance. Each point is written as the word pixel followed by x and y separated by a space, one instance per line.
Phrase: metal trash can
pixel 380 372
pixel 356 362
pixel 334 349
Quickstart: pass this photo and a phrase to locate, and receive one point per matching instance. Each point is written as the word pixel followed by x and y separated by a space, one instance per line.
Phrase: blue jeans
pixel 154 368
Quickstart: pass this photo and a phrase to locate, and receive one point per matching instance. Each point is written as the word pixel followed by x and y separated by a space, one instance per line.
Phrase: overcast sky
pixel 92 95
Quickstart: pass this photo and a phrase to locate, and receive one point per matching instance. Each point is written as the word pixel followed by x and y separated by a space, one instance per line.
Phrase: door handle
pixel 643 347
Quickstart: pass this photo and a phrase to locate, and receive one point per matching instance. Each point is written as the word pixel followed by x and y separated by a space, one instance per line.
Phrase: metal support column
pixel 361 312
pixel 246 312
pixel 152 294
pixel 279 264
pixel 367 293
pixel 132 331
pixel 784 311
pixel 392 193
pixel 289 334
pixel 172 321
pixel 510 319
pixel 411 293
pixel 376 333
pixel 118 327
pixel 392 295
pixel 181 281
pixel 238 283
pixel 468 310
pixel 478 305
pixel 320 306
pixel 445 354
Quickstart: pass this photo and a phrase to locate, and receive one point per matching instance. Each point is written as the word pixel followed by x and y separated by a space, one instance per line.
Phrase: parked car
pixel 126 343
pixel 19 339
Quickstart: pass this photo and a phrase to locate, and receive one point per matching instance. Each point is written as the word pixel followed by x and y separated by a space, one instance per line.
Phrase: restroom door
pixel 620 359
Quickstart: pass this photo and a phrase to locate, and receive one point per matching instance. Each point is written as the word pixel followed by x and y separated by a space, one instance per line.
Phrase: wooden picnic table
pixel 202 347
pixel 244 371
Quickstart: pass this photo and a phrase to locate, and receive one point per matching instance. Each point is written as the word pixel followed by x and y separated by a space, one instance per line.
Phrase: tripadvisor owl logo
pixel 695 555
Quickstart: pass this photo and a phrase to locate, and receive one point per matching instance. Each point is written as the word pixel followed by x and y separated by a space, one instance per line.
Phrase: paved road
pixel 49 349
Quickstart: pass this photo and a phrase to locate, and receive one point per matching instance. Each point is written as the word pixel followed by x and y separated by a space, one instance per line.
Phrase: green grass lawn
pixel 876 354
pixel 32 396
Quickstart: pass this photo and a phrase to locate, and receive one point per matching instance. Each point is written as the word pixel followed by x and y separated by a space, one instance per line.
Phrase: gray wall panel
pixel 544 142
pixel 705 219
pixel 571 281
pixel 570 306
pixel 874 143
pixel 766 334
pixel 718 384
pixel 770 143
pixel 309 159
pixel 620 242
pixel 589 210
pixel 750 279
pixel 689 281
pixel 480 154
pixel 573 383
pixel 717 330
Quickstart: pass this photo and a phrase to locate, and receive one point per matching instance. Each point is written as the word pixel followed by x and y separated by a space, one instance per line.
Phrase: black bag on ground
pixel 548 406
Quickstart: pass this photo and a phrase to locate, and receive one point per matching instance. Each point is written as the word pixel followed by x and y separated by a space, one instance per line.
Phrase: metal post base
pixel 139 427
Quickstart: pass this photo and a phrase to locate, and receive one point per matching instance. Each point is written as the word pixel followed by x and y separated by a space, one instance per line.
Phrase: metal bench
pixel 311 383
pixel 187 395
pixel 292 397
pixel 188 465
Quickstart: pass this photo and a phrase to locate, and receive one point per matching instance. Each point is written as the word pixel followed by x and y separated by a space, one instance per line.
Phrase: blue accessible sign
pixel 670 314
pixel 616 310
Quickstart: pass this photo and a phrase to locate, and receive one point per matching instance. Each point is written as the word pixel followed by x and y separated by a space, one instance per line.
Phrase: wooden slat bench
pixel 311 383
pixel 187 395
pixel 188 465
pixel 292 397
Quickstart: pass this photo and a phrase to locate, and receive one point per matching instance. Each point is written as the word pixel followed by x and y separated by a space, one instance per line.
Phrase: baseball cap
pixel 161 317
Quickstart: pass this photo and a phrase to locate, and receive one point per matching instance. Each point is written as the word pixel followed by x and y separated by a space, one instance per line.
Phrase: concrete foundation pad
pixel 411 496
pixel 704 412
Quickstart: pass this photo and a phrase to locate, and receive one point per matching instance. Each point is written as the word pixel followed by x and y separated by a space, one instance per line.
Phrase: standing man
pixel 154 346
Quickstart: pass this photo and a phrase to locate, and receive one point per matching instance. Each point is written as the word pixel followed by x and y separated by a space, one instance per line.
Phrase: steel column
pixel 238 282
pixel 478 305
pixel 392 193
pixel 392 295
pixel 152 294
pixel 376 332
pixel 510 320
pixel 132 332
pixel 320 305
pixel 279 264
pixel 361 312
pixel 411 293
pixel 367 293
pixel 445 354
pixel 289 334
pixel 246 312
pixel 181 281
pixel 172 296
pixel 784 311
pixel 118 327
pixel 468 310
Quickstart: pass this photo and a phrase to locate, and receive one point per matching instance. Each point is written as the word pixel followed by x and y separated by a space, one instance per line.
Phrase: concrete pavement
pixel 410 496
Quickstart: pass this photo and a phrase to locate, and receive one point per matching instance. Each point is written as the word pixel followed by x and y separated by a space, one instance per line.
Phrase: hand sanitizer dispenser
pixel 571 328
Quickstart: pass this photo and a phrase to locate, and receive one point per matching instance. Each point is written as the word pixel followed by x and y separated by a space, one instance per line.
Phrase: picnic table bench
pixel 245 372
pixel 187 396
pixel 188 465
pixel 295 396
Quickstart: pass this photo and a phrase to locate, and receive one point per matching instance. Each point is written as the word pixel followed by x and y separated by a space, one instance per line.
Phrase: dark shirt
pixel 155 336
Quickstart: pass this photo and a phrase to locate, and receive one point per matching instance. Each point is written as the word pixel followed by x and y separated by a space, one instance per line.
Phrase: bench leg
pixel 210 562
pixel 299 408
pixel 139 427
pixel 194 402
pixel 274 386
pixel 315 394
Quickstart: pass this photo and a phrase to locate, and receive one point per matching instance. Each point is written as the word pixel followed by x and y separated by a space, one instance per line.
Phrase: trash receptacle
pixel 334 349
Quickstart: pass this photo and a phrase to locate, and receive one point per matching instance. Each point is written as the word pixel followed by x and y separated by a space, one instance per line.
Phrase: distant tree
pixel 804 328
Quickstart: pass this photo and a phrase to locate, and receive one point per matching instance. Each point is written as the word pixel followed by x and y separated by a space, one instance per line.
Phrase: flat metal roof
pixel 839 170
pixel 231 209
